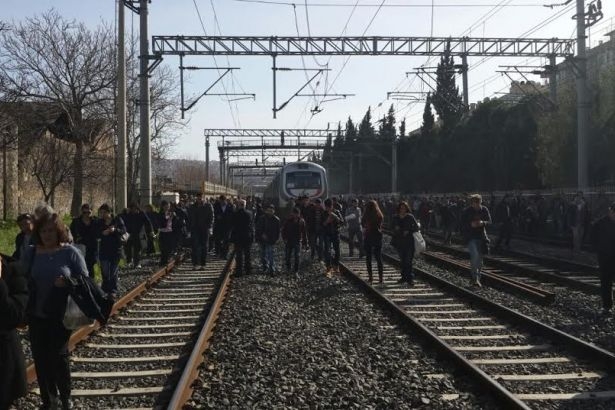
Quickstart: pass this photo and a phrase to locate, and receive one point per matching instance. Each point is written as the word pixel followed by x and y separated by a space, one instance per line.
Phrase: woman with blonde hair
pixel 371 222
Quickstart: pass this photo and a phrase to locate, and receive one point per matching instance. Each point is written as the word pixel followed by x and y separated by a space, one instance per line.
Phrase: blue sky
pixel 368 77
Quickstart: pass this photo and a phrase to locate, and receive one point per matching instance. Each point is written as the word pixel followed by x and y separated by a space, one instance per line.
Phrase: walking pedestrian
pixel 50 262
pixel 242 236
pixel 404 225
pixel 223 212
pixel 474 220
pixel 167 222
pixel 153 219
pixel 84 229
pixel 267 234
pixel 294 234
pixel 603 240
pixel 353 220
pixel 331 222
pixel 313 223
pixel 13 302
pixel 372 227
pixel 111 229
pixel 23 240
pixel 201 217
pixel 578 216
pixel 137 224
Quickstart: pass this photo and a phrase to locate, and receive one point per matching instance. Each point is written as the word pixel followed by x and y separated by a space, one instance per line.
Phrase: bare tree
pixel 50 162
pixel 49 59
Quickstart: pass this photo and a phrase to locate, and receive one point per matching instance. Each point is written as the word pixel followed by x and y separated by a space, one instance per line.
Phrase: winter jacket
pixel 201 217
pixel 293 231
pixel 403 228
pixel 353 218
pixel 135 222
pixel 85 234
pixel 268 229
pixel 111 244
pixel 241 228
pixel 331 222
pixel 469 215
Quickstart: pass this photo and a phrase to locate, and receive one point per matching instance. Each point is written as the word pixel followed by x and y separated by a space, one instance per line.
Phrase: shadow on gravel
pixel 320 295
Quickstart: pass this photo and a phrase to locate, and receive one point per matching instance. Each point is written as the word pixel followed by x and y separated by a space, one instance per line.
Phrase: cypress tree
pixel 446 100
pixel 402 129
pixel 428 118
pixel 366 129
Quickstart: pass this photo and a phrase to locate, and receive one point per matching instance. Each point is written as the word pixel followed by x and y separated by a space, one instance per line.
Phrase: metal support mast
pixel 464 74
pixel 394 166
pixel 121 185
pixel 207 158
pixel 553 78
pixel 145 148
pixel 583 103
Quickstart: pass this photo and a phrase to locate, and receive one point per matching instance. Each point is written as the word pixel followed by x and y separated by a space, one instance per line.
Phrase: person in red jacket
pixel 293 234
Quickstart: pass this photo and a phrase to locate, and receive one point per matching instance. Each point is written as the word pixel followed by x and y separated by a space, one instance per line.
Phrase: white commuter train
pixel 295 180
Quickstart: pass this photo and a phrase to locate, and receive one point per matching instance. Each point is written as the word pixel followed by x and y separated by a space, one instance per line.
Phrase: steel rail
pixel 495 280
pixel 508 399
pixel 81 334
pixel 184 388
pixel 542 275
pixel 600 355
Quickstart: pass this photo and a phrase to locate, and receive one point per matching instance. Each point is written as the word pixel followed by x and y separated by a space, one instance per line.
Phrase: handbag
pixel 74 318
pixel 419 243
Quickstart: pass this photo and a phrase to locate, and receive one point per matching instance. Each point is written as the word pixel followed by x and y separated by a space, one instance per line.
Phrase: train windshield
pixel 303 180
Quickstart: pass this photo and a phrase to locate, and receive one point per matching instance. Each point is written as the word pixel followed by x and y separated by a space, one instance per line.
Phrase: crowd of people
pixel 47 254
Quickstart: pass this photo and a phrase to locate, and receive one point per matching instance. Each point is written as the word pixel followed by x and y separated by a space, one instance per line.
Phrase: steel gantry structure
pixel 274 46
pixel 263 143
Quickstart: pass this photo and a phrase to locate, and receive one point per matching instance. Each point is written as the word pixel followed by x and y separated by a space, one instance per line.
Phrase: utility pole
pixel 583 102
pixel 145 148
pixel 120 185
pixel 394 166
pixel 464 75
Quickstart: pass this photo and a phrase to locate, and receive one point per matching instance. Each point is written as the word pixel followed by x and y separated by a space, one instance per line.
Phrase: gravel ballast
pixel 319 343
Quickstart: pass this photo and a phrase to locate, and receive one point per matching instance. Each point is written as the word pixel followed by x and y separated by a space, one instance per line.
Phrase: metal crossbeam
pixel 252 165
pixel 266 133
pixel 291 143
pixel 374 46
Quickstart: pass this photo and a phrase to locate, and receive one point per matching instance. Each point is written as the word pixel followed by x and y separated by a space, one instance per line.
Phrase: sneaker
pixel 130 266
pixel 138 267
pixel 329 273
pixel 477 283
pixel 336 270
pixel 297 275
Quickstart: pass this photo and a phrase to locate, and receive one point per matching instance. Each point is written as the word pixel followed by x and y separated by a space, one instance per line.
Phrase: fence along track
pixel 520 360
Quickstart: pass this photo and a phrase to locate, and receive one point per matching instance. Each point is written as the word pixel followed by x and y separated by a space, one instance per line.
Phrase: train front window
pixel 303 180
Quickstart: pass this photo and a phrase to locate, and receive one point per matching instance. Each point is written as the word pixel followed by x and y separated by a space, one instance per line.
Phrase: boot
pixel 370 278
pixel 380 276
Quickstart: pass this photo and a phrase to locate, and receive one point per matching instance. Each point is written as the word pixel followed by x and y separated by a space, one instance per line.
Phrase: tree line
pixel 495 146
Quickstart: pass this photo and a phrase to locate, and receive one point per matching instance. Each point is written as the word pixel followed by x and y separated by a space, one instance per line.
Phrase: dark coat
pixel 603 239
pixel 18 245
pixel 90 298
pixel 223 219
pixel 242 228
pixel 293 231
pixel 135 222
pixel 331 222
pixel 403 228
pixel 13 303
pixel 111 245
pixel 201 217
pixel 85 234
pixel 268 229
pixel 470 214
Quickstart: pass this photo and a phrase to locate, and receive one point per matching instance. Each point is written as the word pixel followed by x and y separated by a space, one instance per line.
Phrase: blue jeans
pixel 475 247
pixel 267 259
pixel 109 269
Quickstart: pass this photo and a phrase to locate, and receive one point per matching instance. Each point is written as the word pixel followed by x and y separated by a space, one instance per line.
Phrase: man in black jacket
pixel 201 217
pixel 223 212
pixel 136 221
pixel 242 236
pixel 84 229
pixel 603 239
pixel 267 234
pixel 24 238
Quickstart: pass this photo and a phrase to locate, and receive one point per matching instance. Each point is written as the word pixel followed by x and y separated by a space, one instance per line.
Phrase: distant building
pixel 598 58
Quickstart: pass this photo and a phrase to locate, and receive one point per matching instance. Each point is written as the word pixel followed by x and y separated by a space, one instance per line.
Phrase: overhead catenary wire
pixel 236 123
pixel 392 5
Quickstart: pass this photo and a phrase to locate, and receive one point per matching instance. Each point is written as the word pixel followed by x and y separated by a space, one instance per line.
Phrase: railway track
pixel 148 353
pixel 533 269
pixel 525 363
pixel 496 278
